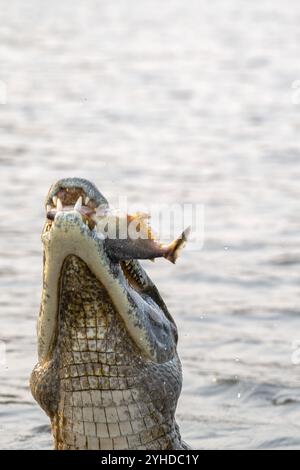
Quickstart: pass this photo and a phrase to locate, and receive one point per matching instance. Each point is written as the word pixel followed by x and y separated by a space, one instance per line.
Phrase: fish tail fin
pixel 174 249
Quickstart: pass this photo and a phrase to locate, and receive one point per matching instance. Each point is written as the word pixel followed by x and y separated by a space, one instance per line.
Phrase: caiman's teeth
pixel 54 199
pixel 87 200
pixel 49 207
pixel 134 271
pixel 59 205
pixel 78 204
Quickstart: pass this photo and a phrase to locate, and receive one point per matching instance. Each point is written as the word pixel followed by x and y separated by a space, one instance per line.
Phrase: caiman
pixel 108 373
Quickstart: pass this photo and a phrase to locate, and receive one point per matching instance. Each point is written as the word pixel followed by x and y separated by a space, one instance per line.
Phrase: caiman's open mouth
pixel 70 229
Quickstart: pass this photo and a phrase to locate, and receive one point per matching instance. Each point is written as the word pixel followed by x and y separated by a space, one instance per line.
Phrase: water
pixel 177 102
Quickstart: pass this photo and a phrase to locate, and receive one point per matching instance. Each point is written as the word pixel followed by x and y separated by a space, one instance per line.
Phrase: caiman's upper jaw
pixel 135 298
pixel 70 189
pixel 78 194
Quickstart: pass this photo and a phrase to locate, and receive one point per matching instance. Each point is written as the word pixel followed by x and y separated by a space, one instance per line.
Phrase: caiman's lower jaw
pixel 129 288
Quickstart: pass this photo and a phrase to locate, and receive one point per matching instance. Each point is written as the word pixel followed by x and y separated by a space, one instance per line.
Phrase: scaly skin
pixel 100 389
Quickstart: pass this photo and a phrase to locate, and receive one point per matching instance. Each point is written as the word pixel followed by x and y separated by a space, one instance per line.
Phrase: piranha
pixel 126 236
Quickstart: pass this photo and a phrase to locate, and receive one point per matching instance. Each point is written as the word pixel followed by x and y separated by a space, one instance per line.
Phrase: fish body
pixel 131 237
pixel 127 236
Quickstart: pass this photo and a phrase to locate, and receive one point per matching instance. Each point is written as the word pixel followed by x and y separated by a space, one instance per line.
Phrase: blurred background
pixel 164 101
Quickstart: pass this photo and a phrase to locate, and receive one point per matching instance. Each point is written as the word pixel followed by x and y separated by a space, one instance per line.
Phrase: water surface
pixel 164 101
